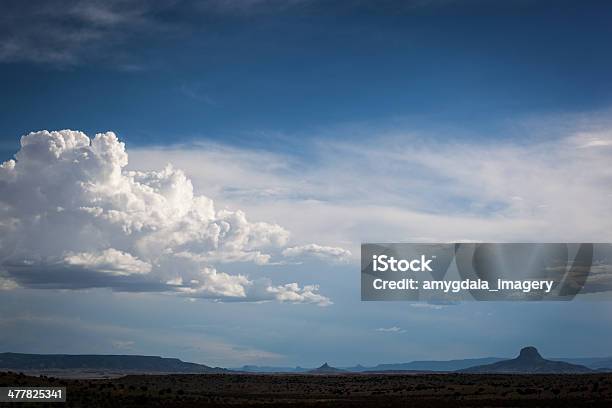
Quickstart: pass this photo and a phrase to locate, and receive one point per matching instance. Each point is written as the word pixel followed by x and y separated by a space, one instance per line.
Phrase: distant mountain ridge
pixel 42 362
pixel 529 361
pixel 270 369
pixel 326 369
pixel 425 365
pixel 594 363
pixel 155 364
pixel 429 365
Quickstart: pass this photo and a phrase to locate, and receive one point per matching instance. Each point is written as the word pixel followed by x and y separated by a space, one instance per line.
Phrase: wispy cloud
pixel 403 187
pixel 68 32
pixel 392 329
pixel 197 92
pixel 123 344
pixel 431 306
pixel 595 139
pixel 65 33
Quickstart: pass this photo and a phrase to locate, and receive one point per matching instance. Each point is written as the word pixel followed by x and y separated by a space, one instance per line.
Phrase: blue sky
pixel 235 73
pixel 342 122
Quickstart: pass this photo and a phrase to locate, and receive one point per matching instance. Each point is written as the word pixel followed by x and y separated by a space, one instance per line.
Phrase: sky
pixel 194 179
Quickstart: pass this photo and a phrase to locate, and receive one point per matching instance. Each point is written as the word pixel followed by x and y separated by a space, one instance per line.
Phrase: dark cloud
pixel 68 32
pixel 65 33
pixel 61 276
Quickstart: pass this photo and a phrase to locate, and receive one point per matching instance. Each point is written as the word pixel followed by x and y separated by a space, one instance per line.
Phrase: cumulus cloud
pixel 72 216
pixel 108 261
pixel 318 251
pixel 291 292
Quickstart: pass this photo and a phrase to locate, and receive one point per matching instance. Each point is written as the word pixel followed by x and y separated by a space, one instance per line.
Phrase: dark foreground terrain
pixel 341 390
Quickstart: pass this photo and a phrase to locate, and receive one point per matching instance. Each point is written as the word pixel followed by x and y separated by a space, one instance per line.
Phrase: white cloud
pixel 318 251
pixel 393 329
pixel 72 216
pixel 7 284
pixel 597 143
pixel 108 261
pixel 432 306
pixel 585 140
pixel 404 188
pixel 291 292
pixel 122 344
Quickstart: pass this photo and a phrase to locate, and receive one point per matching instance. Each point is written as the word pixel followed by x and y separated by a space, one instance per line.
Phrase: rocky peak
pixel 530 354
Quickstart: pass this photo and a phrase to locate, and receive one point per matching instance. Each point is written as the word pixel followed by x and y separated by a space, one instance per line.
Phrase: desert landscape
pixel 331 390
pixel 529 380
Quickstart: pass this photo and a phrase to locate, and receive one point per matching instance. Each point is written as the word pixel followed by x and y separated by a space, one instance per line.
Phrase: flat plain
pixel 339 390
